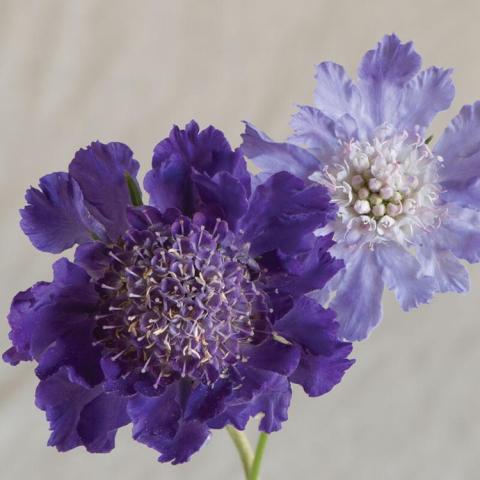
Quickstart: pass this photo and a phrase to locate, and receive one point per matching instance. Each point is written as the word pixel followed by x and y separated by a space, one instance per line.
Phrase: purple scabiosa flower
pixel 179 317
pixel 406 213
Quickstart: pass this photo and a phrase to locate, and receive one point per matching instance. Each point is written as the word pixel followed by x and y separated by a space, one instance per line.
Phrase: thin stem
pixel 257 461
pixel 243 447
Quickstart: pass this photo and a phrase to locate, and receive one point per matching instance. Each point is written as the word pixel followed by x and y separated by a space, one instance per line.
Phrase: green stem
pixel 243 447
pixel 257 461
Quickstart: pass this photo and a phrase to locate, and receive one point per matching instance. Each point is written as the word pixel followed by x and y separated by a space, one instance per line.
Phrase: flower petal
pixel 158 422
pixel 460 148
pixel 358 302
pixel 100 170
pixel 318 132
pixel 335 94
pixel 56 217
pixel 274 157
pixel 382 73
pixel 309 325
pixel 460 233
pixel 282 211
pixel 273 356
pixel 402 273
pixel 57 316
pixel 78 415
pixel 301 273
pixel 448 273
pixel 426 94
pixel 318 374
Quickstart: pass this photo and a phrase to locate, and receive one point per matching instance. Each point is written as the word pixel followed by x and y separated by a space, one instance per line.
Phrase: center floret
pixel 384 188
pixel 178 301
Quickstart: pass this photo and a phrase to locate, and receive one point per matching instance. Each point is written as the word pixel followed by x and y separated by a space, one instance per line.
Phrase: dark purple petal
pixel 303 272
pixel 100 420
pixel 273 356
pixel 52 323
pixel 93 258
pixel 79 415
pixel 56 216
pixel 100 170
pixel 309 325
pixel 170 185
pixel 382 73
pixel 272 401
pixel 207 151
pixel 158 422
pixel 198 171
pixel 222 196
pixel 274 157
pixel 282 211
pixel 318 374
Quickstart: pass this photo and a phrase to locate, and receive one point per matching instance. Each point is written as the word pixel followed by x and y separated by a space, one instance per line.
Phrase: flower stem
pixel 243 447
pixel 257 461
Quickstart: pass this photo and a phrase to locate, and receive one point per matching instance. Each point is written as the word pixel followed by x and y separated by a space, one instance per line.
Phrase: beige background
pixel 74 71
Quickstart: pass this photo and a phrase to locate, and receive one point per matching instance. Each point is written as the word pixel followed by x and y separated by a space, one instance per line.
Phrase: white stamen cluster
pixel 384 188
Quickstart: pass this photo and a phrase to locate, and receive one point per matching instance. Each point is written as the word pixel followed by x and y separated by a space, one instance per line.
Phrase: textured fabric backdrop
pixel 74 71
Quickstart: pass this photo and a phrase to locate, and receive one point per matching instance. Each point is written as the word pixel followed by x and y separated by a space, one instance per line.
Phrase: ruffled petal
pixel 319 133
pixel 52 323
pixel 100 170
pixel 425 95
pixel 207 151
pixel 223 196
pixel 309 325
pixel 274 157
pixel 383 72
pixel 460 148
pixel 170 185
pixel 282 211
pixel 56 217
pixel 448 274
pixel 78 415
pixel 273 356
pixel 318 374
pixel 402 273
pixel 358 302
pixel 298 274
pixel 197 171
pixel 460 233
pixel 335 94
pixel 158 422
pixel 265 393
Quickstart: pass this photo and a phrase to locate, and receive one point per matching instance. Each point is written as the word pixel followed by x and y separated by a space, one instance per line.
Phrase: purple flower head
pixel 179 317
pixel 406 213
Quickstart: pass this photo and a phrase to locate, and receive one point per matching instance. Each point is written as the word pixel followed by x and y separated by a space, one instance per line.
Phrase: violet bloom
pixel 182 316
pixel 407 213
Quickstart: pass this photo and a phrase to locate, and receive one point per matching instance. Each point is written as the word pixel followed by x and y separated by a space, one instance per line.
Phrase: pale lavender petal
pixel 383 72
pixel 335 93
pixel 426 94
pixel 402 273
pixel 358 302
pixel 274 157
pixel 460 233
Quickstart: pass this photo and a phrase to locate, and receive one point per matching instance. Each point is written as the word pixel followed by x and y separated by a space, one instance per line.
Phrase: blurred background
pixel 75 71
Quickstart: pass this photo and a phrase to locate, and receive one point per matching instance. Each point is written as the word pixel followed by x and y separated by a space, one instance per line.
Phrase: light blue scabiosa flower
pixel 406 213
